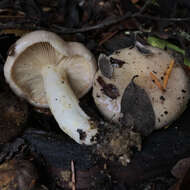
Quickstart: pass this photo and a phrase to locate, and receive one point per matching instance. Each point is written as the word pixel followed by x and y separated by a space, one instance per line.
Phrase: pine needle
pixel 156 81
pixel 168 72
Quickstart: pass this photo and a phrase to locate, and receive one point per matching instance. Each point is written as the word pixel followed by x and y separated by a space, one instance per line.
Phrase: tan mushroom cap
pixel 167 105
pixel 28 55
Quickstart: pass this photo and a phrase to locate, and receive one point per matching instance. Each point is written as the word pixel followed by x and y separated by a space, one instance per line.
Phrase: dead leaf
pixel 105 66
pixel 181 168
pixel 182 172
pixel 183 183
pixel 110 90
pixel 137 109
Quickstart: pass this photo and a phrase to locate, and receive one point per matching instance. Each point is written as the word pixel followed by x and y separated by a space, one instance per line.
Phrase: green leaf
pixel 187 61
pixel 162 44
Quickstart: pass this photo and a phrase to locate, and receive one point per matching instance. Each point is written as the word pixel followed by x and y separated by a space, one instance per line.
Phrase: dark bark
pixel 161 150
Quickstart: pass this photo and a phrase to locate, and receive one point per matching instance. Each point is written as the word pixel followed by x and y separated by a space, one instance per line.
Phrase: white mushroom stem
pixel 65 107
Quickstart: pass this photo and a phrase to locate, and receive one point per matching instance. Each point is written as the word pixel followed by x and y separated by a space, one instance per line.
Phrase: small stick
pixel 168 72
pixel 109 36
pixel 157 82
pixel 73 175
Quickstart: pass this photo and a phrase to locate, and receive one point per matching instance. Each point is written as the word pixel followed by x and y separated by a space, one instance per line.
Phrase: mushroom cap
pixel 167 106
pixel 34 50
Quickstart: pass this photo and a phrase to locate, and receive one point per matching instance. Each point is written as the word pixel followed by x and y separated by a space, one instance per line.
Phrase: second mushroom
pixel 140 91
pixel 50 72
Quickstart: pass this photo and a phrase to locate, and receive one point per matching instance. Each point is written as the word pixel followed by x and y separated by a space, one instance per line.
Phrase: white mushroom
pixel 167 104
pixel 50 72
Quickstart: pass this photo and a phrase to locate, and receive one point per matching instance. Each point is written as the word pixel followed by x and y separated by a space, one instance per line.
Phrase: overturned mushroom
pixel 148 91
pixel 50 72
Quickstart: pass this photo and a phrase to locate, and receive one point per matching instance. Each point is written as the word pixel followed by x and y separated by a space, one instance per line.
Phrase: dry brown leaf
pixel 182 171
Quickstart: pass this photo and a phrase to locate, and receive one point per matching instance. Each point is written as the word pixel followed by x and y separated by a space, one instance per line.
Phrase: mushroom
pixel 49 72
pixel 111 91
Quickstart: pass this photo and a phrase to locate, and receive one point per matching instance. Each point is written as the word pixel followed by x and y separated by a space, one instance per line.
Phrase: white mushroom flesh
pixel 65 107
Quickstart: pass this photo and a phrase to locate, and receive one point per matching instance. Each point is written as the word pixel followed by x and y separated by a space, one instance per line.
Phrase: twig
pixel 104 24
pixel 168 72
pixel 157 82
pixel 117 20
pixel 109 36
pixel 144 7
pixel 23 25
pixel 73 175
pixel 163 19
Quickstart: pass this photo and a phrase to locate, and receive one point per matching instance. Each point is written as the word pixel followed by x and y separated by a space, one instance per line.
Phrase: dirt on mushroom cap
pixel 167 105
